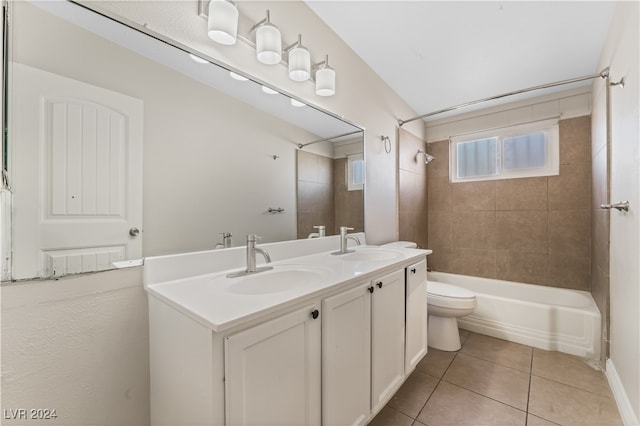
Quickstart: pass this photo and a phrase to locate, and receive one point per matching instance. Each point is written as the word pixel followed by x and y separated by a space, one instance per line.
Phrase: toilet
pixel 445 303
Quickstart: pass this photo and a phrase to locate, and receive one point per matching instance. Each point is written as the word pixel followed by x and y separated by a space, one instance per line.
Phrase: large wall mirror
pixel 121 146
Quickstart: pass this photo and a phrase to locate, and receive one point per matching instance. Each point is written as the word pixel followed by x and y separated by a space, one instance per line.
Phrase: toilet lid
pixel 435 288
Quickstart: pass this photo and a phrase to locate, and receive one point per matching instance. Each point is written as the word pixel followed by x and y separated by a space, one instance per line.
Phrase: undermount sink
pixel 277 280
pixel 372 255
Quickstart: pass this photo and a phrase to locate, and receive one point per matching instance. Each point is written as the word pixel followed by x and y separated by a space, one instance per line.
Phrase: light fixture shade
pixel 325 81
pixel 299 64
pixel 297 103
pixel 223 22
pixel 268 44
pixel 269 90
pixel 237 76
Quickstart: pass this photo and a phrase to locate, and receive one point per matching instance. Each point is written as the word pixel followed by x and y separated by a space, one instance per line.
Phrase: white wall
pixel 95 368
pixel 621 54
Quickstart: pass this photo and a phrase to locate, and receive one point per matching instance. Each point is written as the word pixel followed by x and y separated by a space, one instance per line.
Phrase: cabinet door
pixel 416 322
pixel 387 337
pixel 346 355
pixel 272 372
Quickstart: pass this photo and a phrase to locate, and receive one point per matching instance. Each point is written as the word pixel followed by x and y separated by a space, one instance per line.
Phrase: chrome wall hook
pixel 618 83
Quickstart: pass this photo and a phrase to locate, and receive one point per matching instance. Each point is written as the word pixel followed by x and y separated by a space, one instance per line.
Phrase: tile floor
pixel 494 382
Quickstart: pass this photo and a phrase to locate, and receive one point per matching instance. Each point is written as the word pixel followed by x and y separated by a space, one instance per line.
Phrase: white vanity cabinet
pixel 387 337
pixel 331 349
pixel 346 357
pixel 363 349
pixel 272 372
pixel 416 311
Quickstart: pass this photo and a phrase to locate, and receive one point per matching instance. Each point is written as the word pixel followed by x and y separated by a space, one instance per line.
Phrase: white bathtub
pixel 543 317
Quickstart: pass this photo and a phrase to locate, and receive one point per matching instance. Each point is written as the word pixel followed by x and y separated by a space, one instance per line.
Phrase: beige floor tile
pixel 436 362
pixel 390 417
pixel 453 405
pixel 413 394
pixel 537 421
pixel 495 381
pixel 464 335
pixel 570 370
pixel 499 351
pixel 567 405
pixel 417 423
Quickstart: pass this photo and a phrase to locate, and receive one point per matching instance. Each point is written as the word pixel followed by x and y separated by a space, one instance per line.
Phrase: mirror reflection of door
pixel 80 196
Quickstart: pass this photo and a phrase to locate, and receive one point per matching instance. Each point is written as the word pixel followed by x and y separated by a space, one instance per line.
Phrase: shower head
pixel 427 157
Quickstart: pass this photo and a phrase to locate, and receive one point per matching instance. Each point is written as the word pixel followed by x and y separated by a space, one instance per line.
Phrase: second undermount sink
pixel 277 280
pixel 372 255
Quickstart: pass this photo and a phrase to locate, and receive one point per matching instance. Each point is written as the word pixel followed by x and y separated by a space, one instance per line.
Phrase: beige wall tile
pixel 531 268
pixel 571 190
pixel 522 194
pixel 441 260
pixel 575 140
pixel 407 221
pixel 440 230
pixel 522 231
pixel 440 166
pixel 569 271
pixel 570 232
pixel 474 196
pixel 307 166
pixel 407 149
pixel 407 190
pixel 479 263
pixel 325 170
pixel 440 194
pixel 474 230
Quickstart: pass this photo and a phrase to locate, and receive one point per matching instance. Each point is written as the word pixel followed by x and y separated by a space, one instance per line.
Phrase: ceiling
pixel 437 54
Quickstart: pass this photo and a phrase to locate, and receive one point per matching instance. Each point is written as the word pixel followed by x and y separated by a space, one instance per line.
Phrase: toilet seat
pixel 449 296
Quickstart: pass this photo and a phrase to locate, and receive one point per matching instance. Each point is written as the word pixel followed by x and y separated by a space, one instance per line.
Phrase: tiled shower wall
pixel 323 198
pixel 532 230
pixel 412 193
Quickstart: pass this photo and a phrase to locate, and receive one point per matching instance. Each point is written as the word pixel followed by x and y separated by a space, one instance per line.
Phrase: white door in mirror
pixel 77 175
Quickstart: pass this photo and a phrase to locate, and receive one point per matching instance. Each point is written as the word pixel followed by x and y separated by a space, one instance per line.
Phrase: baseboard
pixel 622 400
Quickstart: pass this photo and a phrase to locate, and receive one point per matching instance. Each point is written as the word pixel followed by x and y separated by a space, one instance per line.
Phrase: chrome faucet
pixel 321 232
pixel 251 258
pixel 343 240
pixel 226 240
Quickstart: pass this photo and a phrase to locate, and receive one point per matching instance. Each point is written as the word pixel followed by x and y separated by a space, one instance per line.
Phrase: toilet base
pixel 443 333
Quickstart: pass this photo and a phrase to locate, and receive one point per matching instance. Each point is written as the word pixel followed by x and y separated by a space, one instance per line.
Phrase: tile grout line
pixel 526 416
pixel 435 388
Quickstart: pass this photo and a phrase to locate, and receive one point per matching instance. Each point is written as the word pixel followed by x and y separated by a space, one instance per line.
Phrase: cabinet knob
pixel 315 314
pixel 413 270
pixel 379 284
pixel 371 289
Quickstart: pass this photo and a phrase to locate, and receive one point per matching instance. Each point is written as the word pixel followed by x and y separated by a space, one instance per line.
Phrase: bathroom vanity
pixel 319 339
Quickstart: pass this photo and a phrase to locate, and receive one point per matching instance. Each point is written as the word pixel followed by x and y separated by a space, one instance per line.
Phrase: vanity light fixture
pixel 268 41
pixel 299 61
pixel 198 59
pixel 222 23
pixel 297 103
pixel 269 90
pixel 325 78
pixel 237 76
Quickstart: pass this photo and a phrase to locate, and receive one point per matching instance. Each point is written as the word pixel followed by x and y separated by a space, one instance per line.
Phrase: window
pixel 355 172
pixel 513 152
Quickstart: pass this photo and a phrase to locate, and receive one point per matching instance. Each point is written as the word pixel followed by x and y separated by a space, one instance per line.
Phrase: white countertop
pixel 221 303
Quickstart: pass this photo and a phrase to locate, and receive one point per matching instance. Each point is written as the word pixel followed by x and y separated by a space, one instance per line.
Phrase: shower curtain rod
pixel 603 74
pixel 302 145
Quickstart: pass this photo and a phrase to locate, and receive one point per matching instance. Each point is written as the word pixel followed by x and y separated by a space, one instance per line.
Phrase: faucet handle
pixel 252 238
pixel 346 228
pixel 320 227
